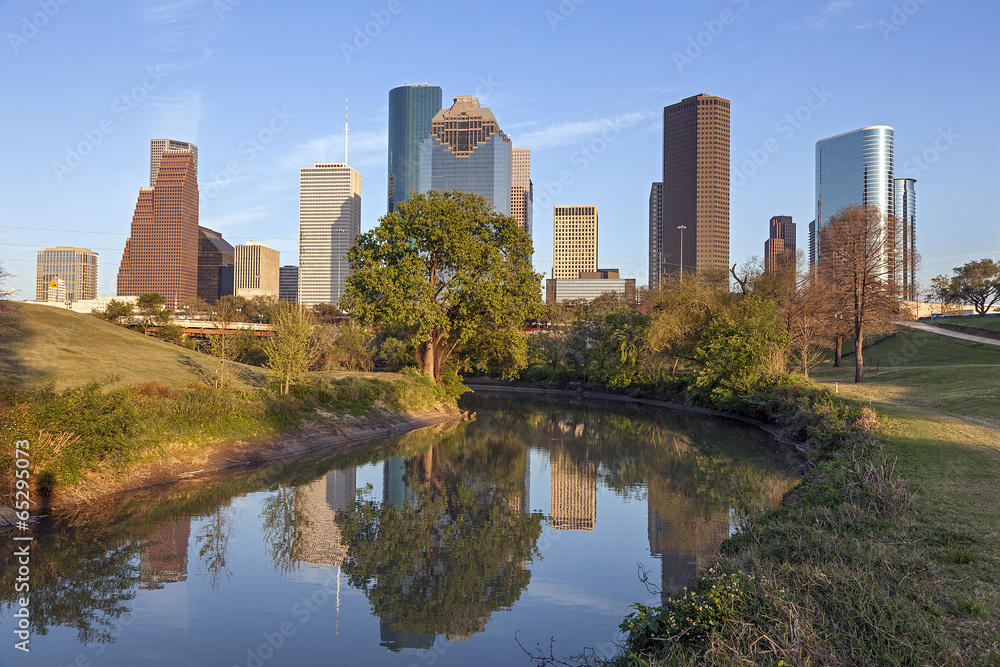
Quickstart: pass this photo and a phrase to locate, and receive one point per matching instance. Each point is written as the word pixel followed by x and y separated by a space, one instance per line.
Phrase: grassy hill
pixel 42 344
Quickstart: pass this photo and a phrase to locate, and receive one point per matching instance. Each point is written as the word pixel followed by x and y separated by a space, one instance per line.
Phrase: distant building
pixel 157 147
pixel 329 222
pixel 655 234
pixel 812 244
pixel 255 270
pixel 161 253
pixel 589 285
pixel 522 190
pixel 411 111
pixel 215 265
pixel 288 283
pixel 695 189
pixel 853 169
pixel 905 211
pixel 55 290
pixel 574 240
pixel 467 151
pixel 779 249
pixel 75 267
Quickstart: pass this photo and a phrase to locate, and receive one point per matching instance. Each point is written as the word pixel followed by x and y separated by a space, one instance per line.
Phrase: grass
pixel 972 322
pixel 42 344
pixel 887 553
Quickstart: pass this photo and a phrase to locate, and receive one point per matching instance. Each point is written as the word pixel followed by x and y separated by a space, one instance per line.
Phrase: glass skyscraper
pixel 467 151
pixel 853 169
pixel 905 211
pixel 411 110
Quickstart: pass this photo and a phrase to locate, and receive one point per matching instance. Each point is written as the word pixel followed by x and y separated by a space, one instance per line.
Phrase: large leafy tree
pixel 454 276
pixel 975 283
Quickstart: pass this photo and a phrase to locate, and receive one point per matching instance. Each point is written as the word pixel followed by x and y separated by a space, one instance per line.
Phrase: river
pixel 532 528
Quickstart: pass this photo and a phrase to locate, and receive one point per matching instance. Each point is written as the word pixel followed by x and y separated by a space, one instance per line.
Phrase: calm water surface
pixel 437 548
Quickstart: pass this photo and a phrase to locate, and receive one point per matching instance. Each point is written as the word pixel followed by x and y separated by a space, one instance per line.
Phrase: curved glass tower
pixel 411 110
pixel 854 169
pixel 905 210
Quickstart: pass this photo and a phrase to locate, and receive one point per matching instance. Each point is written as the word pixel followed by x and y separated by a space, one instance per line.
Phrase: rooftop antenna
pixel 345 129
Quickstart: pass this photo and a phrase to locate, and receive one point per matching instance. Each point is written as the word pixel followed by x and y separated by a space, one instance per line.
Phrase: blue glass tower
pixel 411 110
pixel 854 169
pixel 467 151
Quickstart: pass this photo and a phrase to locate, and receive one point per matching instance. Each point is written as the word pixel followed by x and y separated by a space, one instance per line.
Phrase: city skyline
pixel 794 72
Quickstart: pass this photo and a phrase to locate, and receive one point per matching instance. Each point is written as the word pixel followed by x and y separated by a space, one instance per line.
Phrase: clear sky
pixel 260 88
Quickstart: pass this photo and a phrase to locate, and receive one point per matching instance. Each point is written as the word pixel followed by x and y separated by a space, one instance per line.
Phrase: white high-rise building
pixel 329 222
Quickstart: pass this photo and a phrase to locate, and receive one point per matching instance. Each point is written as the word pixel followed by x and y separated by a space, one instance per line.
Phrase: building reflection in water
pixel 164 556
pixel 574 493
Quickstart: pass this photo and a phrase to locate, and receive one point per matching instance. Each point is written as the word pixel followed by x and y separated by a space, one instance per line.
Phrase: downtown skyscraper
pixel 411 111
pixel 689 208
pixel 467 151
pixel 161 252
pixel 329 222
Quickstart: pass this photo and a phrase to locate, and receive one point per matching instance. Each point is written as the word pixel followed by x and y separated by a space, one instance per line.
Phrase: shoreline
pixel 308 440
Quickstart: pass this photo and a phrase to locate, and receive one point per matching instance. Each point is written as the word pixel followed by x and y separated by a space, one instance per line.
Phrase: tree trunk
pixel 838 353
pixel 429 358
pixel 805 361
pixel 859 358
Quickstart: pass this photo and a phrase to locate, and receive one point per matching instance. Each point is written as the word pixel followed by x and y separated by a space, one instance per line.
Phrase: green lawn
pixel 945 433
pixel 987 323
pixel 41 344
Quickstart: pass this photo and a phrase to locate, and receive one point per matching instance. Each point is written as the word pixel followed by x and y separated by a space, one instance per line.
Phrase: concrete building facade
pixel 779 249
pixel 75 267
pixel 695 190
pixel 161 253
pixel 522 190
pixel 255 270
pixel 574 240
pixel 329 222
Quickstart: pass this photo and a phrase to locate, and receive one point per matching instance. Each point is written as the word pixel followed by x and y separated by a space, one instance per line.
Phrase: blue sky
pixel 260 88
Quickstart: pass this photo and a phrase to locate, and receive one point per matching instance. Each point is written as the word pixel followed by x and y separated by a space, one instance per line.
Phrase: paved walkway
pixel 948 332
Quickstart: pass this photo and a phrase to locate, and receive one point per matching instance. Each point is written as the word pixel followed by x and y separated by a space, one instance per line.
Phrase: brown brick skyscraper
pixel 695 188
pixel 161 253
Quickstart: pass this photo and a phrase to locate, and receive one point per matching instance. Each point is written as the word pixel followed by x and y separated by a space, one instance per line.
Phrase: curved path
pixel 948 332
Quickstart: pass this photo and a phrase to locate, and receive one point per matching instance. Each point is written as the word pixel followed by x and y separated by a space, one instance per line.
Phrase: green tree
pixel 117 312
pixel 219 345
pixel 975 283
pixel 151 310
pixel 451 273
pixel 291 348
pixel 738 351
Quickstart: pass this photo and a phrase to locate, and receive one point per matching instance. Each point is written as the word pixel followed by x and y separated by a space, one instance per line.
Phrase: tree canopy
pixel 454 276
pixel 975 283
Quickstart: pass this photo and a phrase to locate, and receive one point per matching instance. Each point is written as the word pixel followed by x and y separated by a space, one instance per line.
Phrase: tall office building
pixel 695 188
pixel 255 270
pixel 288 283
pixel 853 169
pixel 522 192
pixel 215 265
pixel 329 221
pixel 812 244
pixel 76 267
pixel 655 233
pixel 904 209
pixel 157 147
pixel 161 253
pixel 411 111
pixel 779 249
pixel 467 151
pixel 574 241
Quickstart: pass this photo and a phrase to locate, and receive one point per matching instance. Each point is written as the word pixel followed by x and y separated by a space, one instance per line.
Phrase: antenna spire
pixel 345 129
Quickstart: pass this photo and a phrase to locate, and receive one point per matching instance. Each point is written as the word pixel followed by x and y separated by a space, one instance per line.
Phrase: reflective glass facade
pixel 905 212
pixel 854 169
pixel 411 110
pixel 486 171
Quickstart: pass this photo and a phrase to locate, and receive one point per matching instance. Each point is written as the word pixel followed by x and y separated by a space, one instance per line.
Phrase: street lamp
pixel 682 228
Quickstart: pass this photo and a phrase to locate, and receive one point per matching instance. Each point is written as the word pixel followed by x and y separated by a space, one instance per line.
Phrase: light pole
pixel 682 228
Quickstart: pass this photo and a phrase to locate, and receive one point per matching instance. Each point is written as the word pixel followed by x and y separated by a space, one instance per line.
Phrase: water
pixel 533 525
